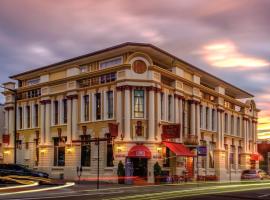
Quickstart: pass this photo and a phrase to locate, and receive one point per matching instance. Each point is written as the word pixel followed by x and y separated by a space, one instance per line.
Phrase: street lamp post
pixel 14 91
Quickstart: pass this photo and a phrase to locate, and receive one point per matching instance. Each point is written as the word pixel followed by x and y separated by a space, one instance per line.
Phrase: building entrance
pixel 139 167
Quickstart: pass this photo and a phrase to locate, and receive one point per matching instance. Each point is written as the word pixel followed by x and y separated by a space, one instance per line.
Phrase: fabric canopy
pixel 256 157
pixel 179 149
pixel 139 151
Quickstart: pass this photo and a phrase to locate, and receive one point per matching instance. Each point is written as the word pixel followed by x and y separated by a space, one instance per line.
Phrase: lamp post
pixel 14 91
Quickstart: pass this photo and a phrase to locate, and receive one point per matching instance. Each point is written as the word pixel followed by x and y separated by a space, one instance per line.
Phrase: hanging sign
pixel 170 131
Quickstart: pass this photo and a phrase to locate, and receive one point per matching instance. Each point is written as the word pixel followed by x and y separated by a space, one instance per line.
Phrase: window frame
pixel 143 106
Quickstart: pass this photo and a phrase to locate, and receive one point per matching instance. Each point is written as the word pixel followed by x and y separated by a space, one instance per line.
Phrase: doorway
pixel 139 167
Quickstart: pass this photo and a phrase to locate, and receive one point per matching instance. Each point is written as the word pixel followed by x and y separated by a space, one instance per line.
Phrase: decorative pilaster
pixel 119 113
pixel 198 123
pixel 127 135
pixel 75 118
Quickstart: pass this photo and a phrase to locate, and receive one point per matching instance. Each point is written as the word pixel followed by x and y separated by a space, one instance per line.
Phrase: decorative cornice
pixel 193 101
pixel 220 110
pixel 73 96
pixel 178 96
pixel 44 102
pixel 9 108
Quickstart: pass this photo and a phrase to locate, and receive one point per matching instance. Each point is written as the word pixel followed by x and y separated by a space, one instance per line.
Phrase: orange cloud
pixel 226 54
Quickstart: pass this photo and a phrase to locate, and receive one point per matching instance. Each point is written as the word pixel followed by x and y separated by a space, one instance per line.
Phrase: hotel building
pixel 149 104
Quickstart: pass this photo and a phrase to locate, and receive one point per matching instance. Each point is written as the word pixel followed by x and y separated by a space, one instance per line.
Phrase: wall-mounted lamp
pixel 119 149
pixel 69 149
pixel 7 152
pixel 159 149
pixel 42 151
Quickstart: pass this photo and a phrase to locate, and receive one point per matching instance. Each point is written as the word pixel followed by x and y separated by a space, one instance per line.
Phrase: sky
pixel 227 38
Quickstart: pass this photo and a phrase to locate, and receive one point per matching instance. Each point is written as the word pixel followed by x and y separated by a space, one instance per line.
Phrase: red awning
pixel 139 151
pixel 256 157
pixel 178 149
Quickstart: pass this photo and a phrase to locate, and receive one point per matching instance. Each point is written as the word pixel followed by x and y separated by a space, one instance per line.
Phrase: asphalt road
pixel 184 191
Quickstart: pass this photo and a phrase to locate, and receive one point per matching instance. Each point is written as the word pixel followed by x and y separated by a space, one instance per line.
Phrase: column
pixel 198 122
pixel 210 119
pixel 151 115
pixel 75 118
pixel 42 123
pixel 244 135
pixel 193 117
pixel 181 119
pixel 119 113
pixel 48 123
pixel 254 136
pixel 127 114
pixel 11 127
pixel 220 138
pixel 69 120
pixel 61 111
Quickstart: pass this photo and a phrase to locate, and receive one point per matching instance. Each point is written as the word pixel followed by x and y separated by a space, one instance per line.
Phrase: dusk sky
pixel 227 38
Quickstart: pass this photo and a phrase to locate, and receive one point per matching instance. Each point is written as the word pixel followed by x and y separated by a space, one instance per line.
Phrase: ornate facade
pixel 148 104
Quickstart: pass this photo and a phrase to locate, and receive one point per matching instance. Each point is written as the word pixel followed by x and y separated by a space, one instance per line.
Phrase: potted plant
pixel 121 172
pixel 157 172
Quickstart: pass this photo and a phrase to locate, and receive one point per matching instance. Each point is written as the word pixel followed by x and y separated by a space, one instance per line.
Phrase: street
pixel 248 190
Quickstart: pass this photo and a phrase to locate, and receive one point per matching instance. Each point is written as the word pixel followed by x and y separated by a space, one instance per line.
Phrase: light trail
pixel 20 186
pixel 198 191
pixel 39 190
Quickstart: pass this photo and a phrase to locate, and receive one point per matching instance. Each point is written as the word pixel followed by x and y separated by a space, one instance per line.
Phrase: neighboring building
pixel 264 152
pixel 159 107
pixel 2 130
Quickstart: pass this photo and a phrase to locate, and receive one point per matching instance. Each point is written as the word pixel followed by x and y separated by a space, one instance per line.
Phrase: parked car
pixel 251 174
pixel 20 170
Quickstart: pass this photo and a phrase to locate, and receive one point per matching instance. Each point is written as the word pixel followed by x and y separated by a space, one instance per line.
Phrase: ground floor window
pixel 86 151
pixel 59 151
pixel 109 154
pixel 211 155
pixel 166 162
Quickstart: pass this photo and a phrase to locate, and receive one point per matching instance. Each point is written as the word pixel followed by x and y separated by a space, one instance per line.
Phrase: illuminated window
pixel 138 103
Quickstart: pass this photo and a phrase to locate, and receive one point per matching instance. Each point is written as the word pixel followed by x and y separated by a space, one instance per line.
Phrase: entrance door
pixel 139 167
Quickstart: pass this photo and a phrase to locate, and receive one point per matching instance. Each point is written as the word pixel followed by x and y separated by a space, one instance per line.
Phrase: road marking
pixel 19 186
pixel 64 196
pixel 39 190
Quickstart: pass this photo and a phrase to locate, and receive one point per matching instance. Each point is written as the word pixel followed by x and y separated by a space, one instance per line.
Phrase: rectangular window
pixel 65 111
pixel 109 154
pixel 98 106
pixel 201 116
pixel 138 103
pixel 238 126
pixel 226 123
pixel 86 108
pixel 213 119
pixel 36 115
pixel 56 112
pixel 206 117
pixel 166 162
pixel 111 62
pixel 232 125
pixel 110 104
pixel 170 107
pixel 59 152
pixel 86 151
pixel 28 116
pixel 162 106
pixel 20 117
pixel 33 81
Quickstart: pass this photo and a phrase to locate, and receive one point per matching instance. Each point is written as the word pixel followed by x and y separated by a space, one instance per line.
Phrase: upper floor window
pixel 213 119
pixel 86 108
pixel 170 107
pixel 110 62
pixel 65 111
pixel 238 126
pixel 36 115
pixel 98 106
pixel 20 117
pixel 232 124
pixel 206 117
pixel 56 112
pixel 162 105
pixel 138 103
pixel 84 68
pixel 33 81
pixel 201 116
pixel 28 116
pixel 110 104
pixel 226 123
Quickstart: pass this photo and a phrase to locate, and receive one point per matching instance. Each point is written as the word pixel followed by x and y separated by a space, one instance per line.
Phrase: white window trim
pixel 144 115
pixel 108 60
